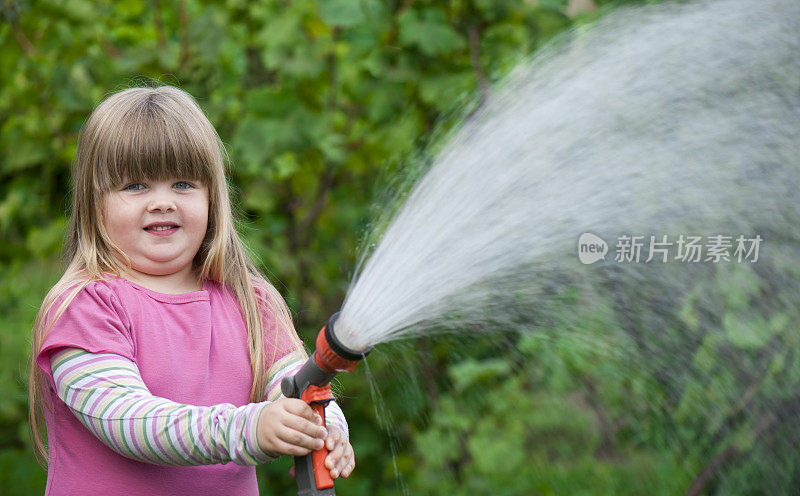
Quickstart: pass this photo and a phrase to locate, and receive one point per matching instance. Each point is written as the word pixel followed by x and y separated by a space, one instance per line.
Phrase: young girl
pixel 158 356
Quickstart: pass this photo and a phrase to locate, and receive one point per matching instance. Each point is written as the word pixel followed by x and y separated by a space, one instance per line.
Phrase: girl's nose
pixel 161 204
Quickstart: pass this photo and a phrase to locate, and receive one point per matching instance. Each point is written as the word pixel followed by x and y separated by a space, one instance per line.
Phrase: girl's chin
pixel 161 269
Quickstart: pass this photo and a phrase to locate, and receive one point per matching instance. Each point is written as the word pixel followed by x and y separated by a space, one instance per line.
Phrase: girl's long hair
pixel 154 133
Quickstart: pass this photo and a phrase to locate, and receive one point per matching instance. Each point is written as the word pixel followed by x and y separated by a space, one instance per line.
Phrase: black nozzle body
pixel 310 374
pixel 330 357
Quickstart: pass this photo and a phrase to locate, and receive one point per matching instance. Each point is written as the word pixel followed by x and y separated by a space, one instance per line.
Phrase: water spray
pixel 312 384
pixel 671 120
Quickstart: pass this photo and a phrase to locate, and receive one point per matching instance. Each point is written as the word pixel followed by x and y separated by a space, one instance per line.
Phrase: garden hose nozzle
pixel 312 384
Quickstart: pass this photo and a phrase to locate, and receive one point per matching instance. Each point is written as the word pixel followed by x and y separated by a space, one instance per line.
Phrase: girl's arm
pixel 288 366
pixel 106 393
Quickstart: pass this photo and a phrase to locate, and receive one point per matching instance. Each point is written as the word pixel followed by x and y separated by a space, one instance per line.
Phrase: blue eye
pixel 134 187
pixel 182 185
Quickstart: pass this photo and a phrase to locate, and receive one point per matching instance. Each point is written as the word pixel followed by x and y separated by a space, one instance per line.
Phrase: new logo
pixel 591 248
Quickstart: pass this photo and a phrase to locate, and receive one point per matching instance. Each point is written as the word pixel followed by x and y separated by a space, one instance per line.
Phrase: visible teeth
pixel 160 228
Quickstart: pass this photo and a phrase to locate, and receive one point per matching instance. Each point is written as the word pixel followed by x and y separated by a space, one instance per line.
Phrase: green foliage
pixel 321 103
pixel 317 101
pixel 21 289
pixel 539 425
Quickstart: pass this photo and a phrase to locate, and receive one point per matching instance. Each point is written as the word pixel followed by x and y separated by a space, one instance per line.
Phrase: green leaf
pixel 739 284
pixel 80 10
pixel 705 357
pixel 430 32
pixel 271 101
pixel 130 8
pixel 471 372
pixel 342 13
pixel 257 139
pixel 746 331
pixel 285 165
pixel 448 90
pixel 48 240
pixel 24 153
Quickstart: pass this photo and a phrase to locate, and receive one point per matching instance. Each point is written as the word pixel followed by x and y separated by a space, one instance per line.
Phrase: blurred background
pixel 324 107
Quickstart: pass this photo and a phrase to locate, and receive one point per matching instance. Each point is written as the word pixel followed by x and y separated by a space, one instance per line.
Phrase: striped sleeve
pixel 107 394
pixel 288 365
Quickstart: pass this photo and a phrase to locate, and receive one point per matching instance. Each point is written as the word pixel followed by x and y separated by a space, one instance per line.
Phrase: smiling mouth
pixel 160 228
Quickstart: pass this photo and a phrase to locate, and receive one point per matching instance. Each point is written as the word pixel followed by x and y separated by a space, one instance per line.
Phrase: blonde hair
pixel 153 133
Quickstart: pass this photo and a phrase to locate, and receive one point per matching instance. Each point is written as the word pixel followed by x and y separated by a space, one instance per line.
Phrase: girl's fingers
pixel 349 468
pixel 341 460
pixel 285 448
pixel 334 437
pixel 334 457
pixel 305 426
pixel 300 439
pixel 300 408
pixel 340 466
pixel 290 427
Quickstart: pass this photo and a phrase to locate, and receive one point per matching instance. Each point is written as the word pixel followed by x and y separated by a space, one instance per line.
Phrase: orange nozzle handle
pixel 322 475
pixel 317 397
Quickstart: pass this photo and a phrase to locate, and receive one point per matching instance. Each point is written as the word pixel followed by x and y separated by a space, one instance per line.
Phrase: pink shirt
pixel 190 348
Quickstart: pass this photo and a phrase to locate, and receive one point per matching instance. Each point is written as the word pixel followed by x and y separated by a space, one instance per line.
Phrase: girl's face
pixel 158 224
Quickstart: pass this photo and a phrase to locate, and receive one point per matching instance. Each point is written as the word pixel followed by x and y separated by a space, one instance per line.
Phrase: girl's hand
pixel 289 426
pixel 341 460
